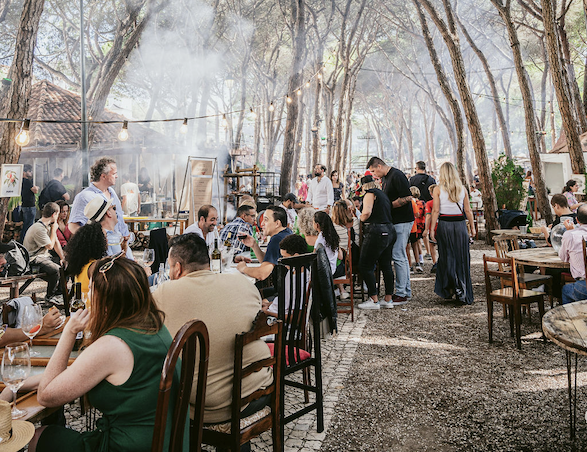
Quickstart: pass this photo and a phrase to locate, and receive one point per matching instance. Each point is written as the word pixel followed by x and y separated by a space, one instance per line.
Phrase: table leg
pixel 14 290
pixel 572 393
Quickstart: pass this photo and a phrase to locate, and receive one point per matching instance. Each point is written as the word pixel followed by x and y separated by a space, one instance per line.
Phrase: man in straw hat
pixel 100 210
pixel 14 435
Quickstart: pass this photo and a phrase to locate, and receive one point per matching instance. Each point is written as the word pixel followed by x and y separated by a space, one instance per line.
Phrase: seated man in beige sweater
pixel 228 305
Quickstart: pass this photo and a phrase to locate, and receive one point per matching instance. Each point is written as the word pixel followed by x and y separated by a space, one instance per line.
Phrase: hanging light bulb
pixel 253 113
pixel 224 121
pixel 299 92
pixel 123 134
pixel 271 107
pixel 288 99
pixel 24 136
pixel 308 84
pixel 184 127
pixel 319 76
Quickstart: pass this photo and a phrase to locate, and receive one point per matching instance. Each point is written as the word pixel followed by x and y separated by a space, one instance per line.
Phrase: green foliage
pixel 507 179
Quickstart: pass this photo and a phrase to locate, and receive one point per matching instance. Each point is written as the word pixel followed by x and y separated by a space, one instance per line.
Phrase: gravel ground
pixel 425 378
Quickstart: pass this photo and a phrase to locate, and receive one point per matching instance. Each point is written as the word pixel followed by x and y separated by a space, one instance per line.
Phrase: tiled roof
pixel 49 101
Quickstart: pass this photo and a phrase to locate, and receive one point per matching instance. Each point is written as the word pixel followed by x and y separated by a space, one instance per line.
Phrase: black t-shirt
pixel 381 208
pixel 395 186
pixel 272 255
pixel 423 181
pixel 53 191
pixel 27 196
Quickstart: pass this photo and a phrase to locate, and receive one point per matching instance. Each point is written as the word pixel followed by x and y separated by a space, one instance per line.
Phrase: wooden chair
pixel 238 431
pixel 505 243
pixel 347 279
pixel 301 343
pixel 184 343
pixel 511 296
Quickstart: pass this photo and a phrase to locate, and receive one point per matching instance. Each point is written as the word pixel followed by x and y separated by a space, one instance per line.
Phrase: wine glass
pixel 31 323
pixel 148 257
pixel 16 368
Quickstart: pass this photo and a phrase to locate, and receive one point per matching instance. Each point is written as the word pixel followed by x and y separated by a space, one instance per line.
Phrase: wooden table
pixel 142 221
pixel 545 257
pixel 14 282
pixel 519 234
pixel 566 326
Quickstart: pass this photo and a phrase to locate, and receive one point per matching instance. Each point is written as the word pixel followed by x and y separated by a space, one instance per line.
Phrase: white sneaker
pixel 369 305
pixel 385 304
pixel 419 269
pixel 345 295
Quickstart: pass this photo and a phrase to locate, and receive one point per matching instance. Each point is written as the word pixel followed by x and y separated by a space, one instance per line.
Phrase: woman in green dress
pixel 119 369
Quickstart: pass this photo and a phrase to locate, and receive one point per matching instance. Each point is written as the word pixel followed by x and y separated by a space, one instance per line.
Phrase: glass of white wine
pixel 148 257
pixel 16 368
pixel 31 323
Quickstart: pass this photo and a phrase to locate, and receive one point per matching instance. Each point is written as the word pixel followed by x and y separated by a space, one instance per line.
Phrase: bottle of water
pixel 161 274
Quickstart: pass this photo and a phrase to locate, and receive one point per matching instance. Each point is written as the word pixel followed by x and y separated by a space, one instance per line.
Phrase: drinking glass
pixel 31 323
pixel 148 257
pixel 16 368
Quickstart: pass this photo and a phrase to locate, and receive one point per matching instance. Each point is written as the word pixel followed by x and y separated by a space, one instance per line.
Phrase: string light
pixel 184 127
pixel 288 99
pixel 123 134
pixel 224 121
pixel 24 136
pixel 299 92
pixel 319 76
pixel 253 113
pixel 308 84
pixel 271 107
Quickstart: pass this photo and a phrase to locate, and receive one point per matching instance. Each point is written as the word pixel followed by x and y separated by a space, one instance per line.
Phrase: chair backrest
pixel 263 325
pixel 348 257
pixel 504 244
pixel 295 276
pixel 500 273
pixel 158 242
pixel 184 343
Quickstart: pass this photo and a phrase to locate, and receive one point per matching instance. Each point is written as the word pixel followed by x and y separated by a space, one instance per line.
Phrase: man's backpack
pixel 17 260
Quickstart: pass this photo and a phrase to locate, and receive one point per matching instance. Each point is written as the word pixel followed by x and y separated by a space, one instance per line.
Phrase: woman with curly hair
pixel 328 238
pixel 87 245
pixel 63 232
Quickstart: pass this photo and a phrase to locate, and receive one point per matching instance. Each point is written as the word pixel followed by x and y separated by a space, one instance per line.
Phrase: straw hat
pixel 14 435
pixel 97 207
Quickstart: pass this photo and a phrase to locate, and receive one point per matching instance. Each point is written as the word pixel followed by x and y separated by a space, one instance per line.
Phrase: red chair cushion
pixel 304 355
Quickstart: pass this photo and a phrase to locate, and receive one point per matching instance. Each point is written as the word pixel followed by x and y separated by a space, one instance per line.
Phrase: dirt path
pixel 426 378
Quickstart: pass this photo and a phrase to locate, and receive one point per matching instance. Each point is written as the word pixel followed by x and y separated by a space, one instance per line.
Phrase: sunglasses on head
pixel 108 265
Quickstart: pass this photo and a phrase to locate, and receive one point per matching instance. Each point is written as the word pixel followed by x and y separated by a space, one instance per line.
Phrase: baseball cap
pixel 96 208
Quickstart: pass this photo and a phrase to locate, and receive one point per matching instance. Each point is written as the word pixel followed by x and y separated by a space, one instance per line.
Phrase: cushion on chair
pixel 245 422
pixel 304 355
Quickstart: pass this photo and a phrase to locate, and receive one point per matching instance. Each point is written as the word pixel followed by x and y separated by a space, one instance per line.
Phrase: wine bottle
pixel 253 256
pixel 77 302
pixel 216 259
pixel 228 242
pixel 161 274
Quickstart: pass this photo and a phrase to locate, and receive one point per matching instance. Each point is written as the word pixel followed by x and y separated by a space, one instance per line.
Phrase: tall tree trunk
pixel 448 93
pixel 559 77
pixel 450 37
pixel 494 93
pixel 529 114
pixel 14 102
pixel 299 139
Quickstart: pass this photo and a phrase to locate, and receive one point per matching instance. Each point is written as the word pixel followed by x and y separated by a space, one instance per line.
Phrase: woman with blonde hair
pixel 306 226
pixel 453 275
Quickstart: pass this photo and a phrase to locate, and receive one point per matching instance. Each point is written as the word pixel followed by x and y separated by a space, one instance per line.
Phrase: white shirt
pixel 194 228
pixel 131 191
pixel 320 193
pixel 447 207
pixel 332 254
pixel 291 215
